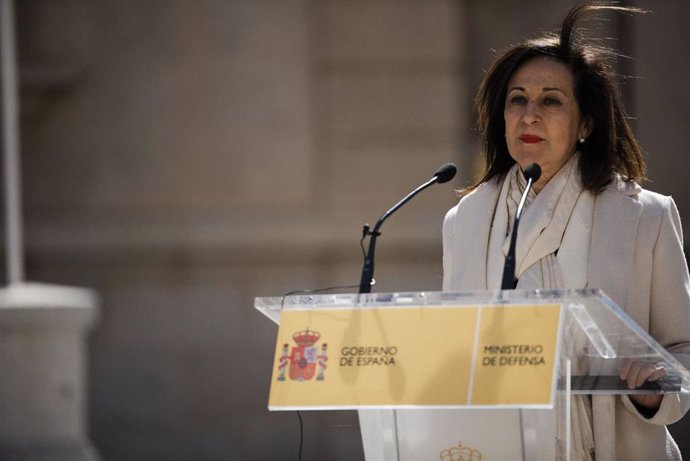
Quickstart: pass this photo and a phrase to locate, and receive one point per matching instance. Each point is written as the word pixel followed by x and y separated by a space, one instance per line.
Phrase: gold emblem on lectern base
pixel 460 453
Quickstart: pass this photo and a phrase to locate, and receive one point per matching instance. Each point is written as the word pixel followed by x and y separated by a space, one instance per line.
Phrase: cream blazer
pixel 636 258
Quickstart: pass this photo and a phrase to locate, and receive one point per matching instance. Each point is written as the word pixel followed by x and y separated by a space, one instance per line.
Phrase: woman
pixel 553 101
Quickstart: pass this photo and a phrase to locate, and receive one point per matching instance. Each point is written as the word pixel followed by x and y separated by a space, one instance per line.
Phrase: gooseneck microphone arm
pixel 532 174
pixel 444 174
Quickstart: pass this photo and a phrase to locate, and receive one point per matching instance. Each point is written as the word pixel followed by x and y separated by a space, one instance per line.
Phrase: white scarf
pixel 552 251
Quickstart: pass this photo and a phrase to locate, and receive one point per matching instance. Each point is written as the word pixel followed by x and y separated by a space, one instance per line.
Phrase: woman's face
pixel 543 121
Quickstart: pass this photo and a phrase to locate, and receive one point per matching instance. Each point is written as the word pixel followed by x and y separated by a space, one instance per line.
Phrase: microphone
pixel 532 174
pixel 444 174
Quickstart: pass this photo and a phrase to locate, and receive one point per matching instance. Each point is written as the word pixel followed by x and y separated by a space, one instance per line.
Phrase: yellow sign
pixel 514 363
pixel 414 356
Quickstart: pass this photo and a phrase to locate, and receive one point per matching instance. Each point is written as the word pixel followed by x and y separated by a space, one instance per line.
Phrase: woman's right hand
pixel 636 373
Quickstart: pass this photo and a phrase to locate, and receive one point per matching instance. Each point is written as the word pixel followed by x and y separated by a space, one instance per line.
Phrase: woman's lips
pixel 530 138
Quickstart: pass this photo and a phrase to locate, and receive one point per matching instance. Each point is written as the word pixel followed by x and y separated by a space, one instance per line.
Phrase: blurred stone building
pixel 184 156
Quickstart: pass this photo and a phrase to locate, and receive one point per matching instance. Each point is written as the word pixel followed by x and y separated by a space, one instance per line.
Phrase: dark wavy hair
pixel 610 149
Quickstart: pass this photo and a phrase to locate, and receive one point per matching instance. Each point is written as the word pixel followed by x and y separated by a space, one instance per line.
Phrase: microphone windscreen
pixel 533 172
pixel 445 173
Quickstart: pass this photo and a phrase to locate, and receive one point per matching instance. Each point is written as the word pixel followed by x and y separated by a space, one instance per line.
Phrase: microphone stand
pixel 367 278
pixel 532 174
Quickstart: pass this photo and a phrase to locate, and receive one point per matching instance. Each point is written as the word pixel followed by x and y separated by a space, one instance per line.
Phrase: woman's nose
pixel 531 114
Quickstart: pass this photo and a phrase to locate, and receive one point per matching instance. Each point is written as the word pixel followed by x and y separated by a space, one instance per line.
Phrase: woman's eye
pixel 516 100
pixel 549 101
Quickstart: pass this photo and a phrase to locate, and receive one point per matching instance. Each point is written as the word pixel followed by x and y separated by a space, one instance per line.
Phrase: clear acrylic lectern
pixel 595 338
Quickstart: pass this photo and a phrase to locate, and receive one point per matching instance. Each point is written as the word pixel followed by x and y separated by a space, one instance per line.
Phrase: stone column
pixel 43 395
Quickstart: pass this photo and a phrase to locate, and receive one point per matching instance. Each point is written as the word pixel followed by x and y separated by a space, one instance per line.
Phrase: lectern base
pixel 410 435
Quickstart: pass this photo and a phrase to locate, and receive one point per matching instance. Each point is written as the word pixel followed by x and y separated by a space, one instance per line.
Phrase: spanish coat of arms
pixel 304 357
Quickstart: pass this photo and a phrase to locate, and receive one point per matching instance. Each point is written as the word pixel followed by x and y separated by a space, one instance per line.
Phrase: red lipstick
pixel 530 138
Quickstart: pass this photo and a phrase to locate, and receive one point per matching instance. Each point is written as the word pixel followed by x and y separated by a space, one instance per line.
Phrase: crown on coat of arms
pixel 306 338
pixel 460 453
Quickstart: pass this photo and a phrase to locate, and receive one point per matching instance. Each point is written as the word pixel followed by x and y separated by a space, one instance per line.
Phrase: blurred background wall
pixel 184 156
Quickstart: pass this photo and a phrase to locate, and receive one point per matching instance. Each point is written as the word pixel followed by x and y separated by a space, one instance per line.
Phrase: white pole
pixel 10 135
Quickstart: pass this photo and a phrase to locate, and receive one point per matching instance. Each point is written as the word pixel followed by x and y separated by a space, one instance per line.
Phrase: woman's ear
pixel 586 127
